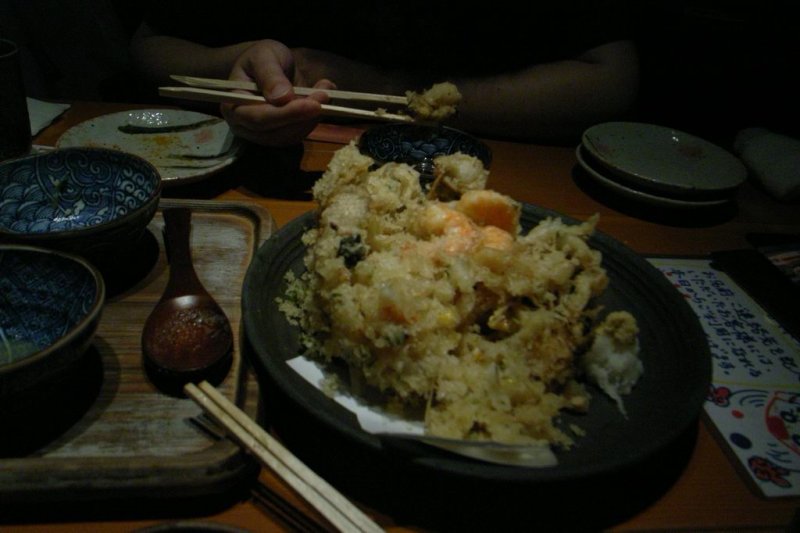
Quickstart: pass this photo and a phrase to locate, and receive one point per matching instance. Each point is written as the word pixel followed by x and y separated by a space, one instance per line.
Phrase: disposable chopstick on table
pixel 211 83
pixel 337 509
pixel 208 90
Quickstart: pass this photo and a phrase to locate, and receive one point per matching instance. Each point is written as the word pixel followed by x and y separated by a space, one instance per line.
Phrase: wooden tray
pixel 133 441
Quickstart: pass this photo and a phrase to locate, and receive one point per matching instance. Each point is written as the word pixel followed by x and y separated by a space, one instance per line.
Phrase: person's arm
pixel 545 102
pixel 157 56
pixel 552 101
pixel 549 102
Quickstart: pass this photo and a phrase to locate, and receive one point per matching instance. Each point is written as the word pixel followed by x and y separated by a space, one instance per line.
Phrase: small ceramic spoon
pixel 187 336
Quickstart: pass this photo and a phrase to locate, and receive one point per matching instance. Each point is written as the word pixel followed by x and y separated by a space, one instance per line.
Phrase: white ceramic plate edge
pixel 641 196
pixel 170 175
pixel 674 180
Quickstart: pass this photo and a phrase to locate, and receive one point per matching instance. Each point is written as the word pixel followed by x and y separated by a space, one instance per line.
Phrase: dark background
pixel 708 67
pixel 715 67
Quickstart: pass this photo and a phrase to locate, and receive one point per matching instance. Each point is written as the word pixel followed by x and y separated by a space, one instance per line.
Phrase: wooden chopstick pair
pixel 337 509
pixel 219 91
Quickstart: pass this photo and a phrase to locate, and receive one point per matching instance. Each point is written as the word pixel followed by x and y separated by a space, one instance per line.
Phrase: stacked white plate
pixel 659 165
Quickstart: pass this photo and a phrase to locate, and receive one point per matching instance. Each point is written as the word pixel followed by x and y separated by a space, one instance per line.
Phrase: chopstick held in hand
pixel 211 83
pixel 209 90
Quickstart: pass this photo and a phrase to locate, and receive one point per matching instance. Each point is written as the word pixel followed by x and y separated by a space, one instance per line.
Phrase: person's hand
pixel 285 118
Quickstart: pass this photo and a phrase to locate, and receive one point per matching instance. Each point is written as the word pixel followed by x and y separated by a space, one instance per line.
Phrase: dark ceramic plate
pixel 664 405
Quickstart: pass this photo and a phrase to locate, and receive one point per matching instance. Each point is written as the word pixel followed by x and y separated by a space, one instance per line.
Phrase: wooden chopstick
pixel 226 97
pixel 285 512
pixel 339 511
pixel 210 95
pixel 211 83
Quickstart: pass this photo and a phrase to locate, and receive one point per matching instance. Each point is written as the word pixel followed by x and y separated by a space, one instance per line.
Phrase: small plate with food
pixel 185 146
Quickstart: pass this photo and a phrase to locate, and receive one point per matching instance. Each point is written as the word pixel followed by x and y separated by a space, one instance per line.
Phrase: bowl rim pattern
pixel 76 331
pixel 147 206
pixel 382 134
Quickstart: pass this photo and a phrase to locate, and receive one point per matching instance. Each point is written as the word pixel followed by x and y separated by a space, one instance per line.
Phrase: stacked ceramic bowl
pixel 69 222
pixel 660 166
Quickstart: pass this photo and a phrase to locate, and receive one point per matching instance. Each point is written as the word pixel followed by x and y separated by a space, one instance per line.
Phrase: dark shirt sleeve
pixel 212 25
pixel 432 36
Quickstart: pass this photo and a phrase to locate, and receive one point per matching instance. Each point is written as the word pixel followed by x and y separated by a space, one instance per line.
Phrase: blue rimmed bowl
pixel 50 307
pixel 419 144
pixel 88 201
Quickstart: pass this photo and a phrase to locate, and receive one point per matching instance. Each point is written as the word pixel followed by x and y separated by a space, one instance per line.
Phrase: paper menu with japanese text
pixel 754 399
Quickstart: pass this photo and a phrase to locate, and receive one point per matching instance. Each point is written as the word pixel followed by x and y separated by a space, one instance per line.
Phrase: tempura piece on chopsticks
pixel 435 104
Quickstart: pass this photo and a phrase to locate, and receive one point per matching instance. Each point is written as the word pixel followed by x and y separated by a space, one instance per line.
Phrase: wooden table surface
pixel 710 494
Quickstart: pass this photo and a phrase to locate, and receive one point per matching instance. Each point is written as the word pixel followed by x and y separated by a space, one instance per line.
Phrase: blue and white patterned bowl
pixel 49 311
pixel 88 201
pixel 417 145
